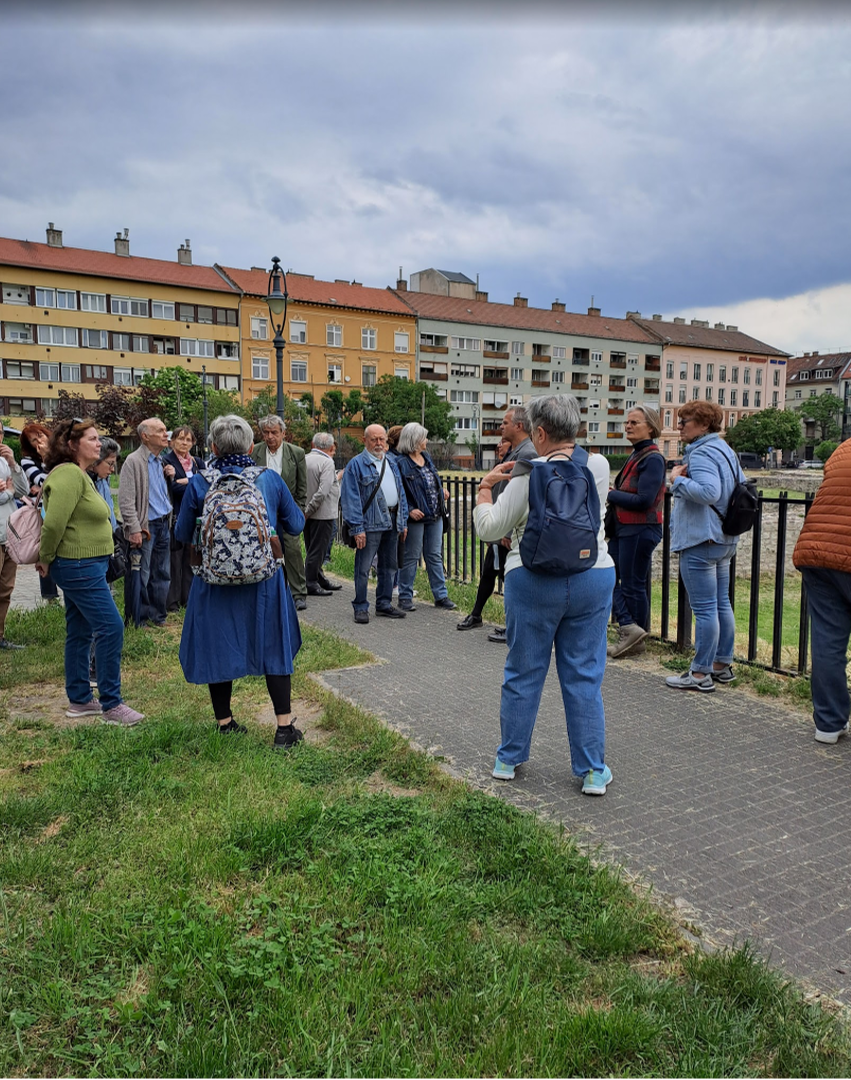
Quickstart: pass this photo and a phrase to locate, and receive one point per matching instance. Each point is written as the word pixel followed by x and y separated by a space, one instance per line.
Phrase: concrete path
pixel 723 802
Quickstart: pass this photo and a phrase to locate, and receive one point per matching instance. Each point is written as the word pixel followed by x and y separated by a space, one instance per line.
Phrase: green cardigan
pixel 76 518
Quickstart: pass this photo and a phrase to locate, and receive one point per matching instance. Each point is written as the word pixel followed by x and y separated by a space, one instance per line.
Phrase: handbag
pixel 445 513
pixel 117 565
pixel 23 532
pixel 346 534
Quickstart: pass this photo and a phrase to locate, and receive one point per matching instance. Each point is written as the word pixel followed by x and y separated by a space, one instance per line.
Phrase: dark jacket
pixel 293 469
pixel 415 486
pixel 175 490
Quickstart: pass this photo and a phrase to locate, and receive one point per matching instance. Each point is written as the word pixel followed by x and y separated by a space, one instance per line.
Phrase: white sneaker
pixel 689 681
pixel 123 716
pixel 830 737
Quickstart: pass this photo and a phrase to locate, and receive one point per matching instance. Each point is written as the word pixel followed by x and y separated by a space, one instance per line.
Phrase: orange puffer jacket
pixel 825 539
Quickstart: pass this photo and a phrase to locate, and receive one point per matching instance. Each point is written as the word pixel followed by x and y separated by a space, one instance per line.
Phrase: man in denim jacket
pixel 386 519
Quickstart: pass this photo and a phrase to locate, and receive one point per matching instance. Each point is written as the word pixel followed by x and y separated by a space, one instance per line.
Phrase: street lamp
pixel 477 437
pixel 277 302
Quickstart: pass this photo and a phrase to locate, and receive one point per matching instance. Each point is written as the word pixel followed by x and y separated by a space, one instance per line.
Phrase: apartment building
pixel 484 356
pixel 813 374
pixel 71 318
pixel 339 334
pixel 719 364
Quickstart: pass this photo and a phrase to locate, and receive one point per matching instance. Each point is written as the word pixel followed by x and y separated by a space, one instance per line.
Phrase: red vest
pixel 627 480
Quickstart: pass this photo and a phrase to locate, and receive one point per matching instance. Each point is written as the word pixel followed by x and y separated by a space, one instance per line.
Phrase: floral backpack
pixel 234 542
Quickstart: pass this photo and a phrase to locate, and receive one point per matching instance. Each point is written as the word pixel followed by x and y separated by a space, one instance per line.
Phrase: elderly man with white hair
pixel 288 461
pixel 376 512
pixel 320 512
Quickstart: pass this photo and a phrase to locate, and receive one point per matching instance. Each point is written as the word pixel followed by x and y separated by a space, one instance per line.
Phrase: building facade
pixel 72 318
pixel 812 375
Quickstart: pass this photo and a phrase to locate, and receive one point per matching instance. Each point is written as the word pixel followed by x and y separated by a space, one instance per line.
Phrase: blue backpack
pixel 564 516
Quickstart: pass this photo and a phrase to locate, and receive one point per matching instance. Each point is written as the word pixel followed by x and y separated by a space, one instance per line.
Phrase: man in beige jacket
pixel 323 500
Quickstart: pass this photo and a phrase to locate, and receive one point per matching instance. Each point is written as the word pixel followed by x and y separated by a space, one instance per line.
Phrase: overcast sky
pixel 687 164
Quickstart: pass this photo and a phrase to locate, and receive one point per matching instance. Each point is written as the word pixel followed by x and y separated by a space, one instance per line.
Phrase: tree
pixel 398 401
pixel 332 407
pixel 71 405
pixel 219 403
pixel 777 429
pixel 175 409
pixel 112 409
pixel 825 449
pixel 824 409
pixel 145 403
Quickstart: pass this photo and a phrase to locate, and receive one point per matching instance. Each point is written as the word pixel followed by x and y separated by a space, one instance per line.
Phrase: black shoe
pixel 407 605
pixel 499 636
pixel 470 623
pixel 300 604
pixel 332 586
pixel 362 617
pixel 315 590
pixel 390 613
pixel 232 728
pixel 286 736
pixel 4 644
pixel 446 604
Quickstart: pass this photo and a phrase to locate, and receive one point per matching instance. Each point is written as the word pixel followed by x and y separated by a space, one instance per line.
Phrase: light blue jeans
pixel 705 571
pixel 570 613
pixel 426 538
pixel 90 611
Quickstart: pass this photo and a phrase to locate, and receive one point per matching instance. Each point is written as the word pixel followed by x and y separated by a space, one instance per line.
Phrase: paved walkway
pixel 723 802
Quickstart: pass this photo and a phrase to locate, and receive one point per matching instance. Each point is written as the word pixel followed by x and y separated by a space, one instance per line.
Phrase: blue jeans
pixel 632 553
pixel 424 538
pixel 829 604
pixel 90 612
pixel 705 570
pixel 571 613
pixel 384 545
pixel 156 571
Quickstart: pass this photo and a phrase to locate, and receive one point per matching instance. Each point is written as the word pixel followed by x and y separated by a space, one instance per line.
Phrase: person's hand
pixel 185 480
pixel 34 489
pixel 506 542
pixel 42 569
pixel 679 470
pixel 404 534
pixel 6 452
pixel 360 540
pixel 500 472
pixel 445 495
pixel 9 485
pixel 168 471
pixel 134 539
pixel 416 515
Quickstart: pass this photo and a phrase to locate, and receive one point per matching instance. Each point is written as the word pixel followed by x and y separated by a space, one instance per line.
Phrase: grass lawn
pixel 175 903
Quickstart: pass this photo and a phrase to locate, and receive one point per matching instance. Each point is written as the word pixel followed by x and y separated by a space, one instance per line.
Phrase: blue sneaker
pixel 595 783
pixel 501 771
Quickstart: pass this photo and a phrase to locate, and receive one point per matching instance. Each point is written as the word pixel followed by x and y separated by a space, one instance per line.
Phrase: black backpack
pixel 740 515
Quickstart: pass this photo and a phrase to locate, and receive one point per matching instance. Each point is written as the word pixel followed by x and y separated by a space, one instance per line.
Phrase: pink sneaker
pixel 123 716
pixel 85 708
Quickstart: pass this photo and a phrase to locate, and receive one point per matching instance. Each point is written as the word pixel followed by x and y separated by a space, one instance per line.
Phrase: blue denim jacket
pixel 709 483
pixel 359 480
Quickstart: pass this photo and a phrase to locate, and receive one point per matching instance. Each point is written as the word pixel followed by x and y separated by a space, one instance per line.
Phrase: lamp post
pixel 277 302
pixel 477 437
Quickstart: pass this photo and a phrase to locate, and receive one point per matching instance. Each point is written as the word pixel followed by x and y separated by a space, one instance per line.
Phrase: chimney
pixel 814 352
pixel 719 326
pixel 521 301
pixel 695 322
pixel 806 354
pixel 680 322
pixel 482 296
pixel 657 318
pixel 341 281
pixel 54 236
pixel 184 254
pixel 594 311
pixel 558 305
pixel 122 243
pixel 401 284
pixel 732 328
pixel 633 314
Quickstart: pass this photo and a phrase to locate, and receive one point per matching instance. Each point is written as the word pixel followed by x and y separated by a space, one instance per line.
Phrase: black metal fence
pixel 763 583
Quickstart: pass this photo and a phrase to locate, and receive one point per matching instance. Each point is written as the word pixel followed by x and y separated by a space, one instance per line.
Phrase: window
pixel 205 314
pixel 496 346
pixel 122 376
pixel 683 371
pixel 16 294
pixel 260 367
pixel 259 328
pixel 298 331
pixel 517 373
pixel 631 381
pixel 558 376
pixel 595 380
pixel 593 404
pixel 720 395
pixel 48 372
pixel 540 350
pixel 695 393
pixel 227 350
pixel 401 372
pixel 681 400
pixel 668 415
pixel 757 399
pixel 734 397
pixel 121 342
pixel 140 343
pixel 518 348
pixel 709 393
pixel 669 393
pixel 466 423
pixel 613 427
pixel 803 375
pixel 746 376
pixel 464 395
pixel 368 338
pixel 16 369
pixel 196 347
pixel 797 395
pixel 226 317
pixel 472 344
pixel 470 370
pixel 186 312
pixel 161 309
pixel 21 406
pixel 757 378
pixel 559 352
pixel 498 400
pixel 335 373
pixel 19 332
pixel 696 372
pixel 95 371
pixel 70 373
pixel 401 342
pixel 540 375
pixel 48 406
pixel 57 335
pixel 57 298
pixel 128 305
pixel 434 341
pixel 334 335
pixel 775 398
pixel 593 427
pixel 369 374
pixel 632 358
pixel 734 375
pixel 597 357
pixel 813 393
pixel 669 369
pixel 745 399
pixel 722 373
pixel 710 372
pixel 229 382
pixel 777 376
pixel 90 301
pixel 298 370
pixel 515 399
pixel 94 339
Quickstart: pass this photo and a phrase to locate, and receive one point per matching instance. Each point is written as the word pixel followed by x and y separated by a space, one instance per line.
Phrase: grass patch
pixel 175 903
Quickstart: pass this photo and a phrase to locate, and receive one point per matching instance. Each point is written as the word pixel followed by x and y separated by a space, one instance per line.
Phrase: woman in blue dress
pixel 230 631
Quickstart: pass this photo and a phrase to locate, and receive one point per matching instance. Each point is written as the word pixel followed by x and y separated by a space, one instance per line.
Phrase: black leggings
pixel 487 582
pixel 277 685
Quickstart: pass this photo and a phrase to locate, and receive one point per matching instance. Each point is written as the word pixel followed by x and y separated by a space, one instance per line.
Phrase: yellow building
pixel 72 318
pixel 339 335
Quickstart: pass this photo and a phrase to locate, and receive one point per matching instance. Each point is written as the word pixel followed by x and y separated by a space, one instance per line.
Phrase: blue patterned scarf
pixel 244 461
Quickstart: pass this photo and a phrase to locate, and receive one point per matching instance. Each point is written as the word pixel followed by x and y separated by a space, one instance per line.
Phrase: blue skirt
pixel 238 630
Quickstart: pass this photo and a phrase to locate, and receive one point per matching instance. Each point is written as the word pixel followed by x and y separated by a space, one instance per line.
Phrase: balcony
pixel 434 348
pixel 583 409
pixel 495 380
pixel 652 365
pixel 651 386
pixel 579 386
pixel 615 412
pixel 618 364
pixel 433 376
pixel 488 355
pixel 541 382
pixel 617 388
pixel 580 361
pixel 541 358
pixel 614 435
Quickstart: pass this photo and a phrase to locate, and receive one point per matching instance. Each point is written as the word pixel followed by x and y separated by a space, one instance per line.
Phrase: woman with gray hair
pixel 569 612
pixel 634 528
pixel 230 631
pixel 426 499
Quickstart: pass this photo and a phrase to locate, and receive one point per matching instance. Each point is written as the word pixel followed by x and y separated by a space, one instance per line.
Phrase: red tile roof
pixel 70 260
pixel 839 362
pixel 307 290
pixel 706 337
pixel 485 313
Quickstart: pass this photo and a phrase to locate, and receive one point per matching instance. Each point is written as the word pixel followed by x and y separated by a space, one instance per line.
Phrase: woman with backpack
pixel 565 605
pixel 248 626
pixel 701 489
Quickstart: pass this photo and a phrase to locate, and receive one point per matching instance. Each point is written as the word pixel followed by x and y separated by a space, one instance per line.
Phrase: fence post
pixel 683 616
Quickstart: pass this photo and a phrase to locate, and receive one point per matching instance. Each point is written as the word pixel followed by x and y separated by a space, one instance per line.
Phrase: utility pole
pixel 422 410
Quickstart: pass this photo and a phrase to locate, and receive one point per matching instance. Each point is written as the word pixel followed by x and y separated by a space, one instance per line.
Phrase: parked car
pixel 751 461
pixel 671 462
pixel 814 464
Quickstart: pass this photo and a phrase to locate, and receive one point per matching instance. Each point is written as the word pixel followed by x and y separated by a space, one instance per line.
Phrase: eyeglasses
pixel 682 423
